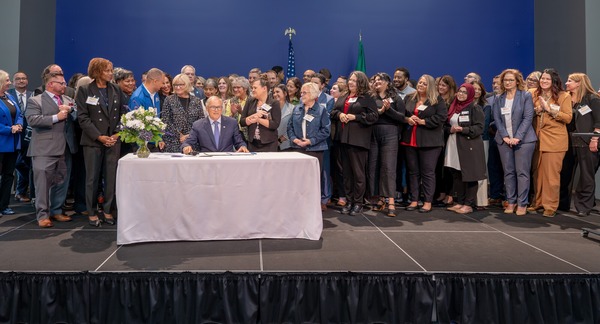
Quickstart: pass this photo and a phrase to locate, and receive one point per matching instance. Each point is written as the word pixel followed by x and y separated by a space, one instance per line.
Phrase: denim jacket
pixel 317 130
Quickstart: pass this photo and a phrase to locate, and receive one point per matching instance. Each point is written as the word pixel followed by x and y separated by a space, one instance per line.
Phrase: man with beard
pixel 401 77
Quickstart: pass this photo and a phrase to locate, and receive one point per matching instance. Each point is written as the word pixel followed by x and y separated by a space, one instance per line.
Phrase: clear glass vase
pixel 143 151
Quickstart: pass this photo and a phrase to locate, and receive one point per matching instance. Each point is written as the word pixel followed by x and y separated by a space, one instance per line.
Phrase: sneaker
pixel 7 211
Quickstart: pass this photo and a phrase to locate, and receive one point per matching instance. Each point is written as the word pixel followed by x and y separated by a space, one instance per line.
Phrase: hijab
pixel 457 106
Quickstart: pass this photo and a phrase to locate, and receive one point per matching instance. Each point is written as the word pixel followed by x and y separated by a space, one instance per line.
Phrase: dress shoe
pixel 61 218
pixel 346 209
pixel 521 211
pixel 7 211
pixel 95 222
pixel 425 210
pixel 108 219
pixel 391 211
pixel 464 210
pixel 356 209
pixel 411 208
pixel 510 208
pixel 22 198
pixel 549 213
pixel 534 209
pixel 45 223
pixel 455 207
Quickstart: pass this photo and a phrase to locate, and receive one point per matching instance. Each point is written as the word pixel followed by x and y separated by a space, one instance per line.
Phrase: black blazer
pixel 586 123
pixel 356 132
pixel 432 133
pixel 96 120
pixel 267 134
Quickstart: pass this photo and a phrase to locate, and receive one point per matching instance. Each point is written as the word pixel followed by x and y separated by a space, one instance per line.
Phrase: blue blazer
pixel 202 136
pixel 521 117
pixel 9 142
pixel 326 101
pixel 28 94
pixel 141 97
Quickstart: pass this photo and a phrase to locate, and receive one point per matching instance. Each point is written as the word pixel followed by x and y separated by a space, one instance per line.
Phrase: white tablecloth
pixel 225 197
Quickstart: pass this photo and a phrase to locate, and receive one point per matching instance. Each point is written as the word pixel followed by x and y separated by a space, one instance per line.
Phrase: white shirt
pixel 508 104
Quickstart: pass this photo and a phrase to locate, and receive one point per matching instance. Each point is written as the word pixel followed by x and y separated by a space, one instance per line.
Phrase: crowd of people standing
pixel 381 141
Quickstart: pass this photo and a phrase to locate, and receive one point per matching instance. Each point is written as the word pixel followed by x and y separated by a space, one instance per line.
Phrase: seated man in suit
pixel 216 133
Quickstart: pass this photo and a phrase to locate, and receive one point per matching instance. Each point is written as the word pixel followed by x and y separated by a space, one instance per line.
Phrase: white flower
pixel 151 110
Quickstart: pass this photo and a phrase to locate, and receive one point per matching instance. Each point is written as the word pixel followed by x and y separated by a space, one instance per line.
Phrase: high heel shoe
pixel 108 219
pixel 510 208
pixel 95 222
pixel 391 211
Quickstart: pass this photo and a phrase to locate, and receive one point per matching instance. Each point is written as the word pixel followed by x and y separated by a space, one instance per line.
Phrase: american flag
pixel 291 67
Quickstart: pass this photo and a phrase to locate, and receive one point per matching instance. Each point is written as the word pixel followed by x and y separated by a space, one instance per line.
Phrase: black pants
pixel 354 160
pixel 464 193
pixel 336 170
pixel 382 161
pixel 420 163
pixel 566 176
pixel 256 146
pixel 584 197
pixel 8 160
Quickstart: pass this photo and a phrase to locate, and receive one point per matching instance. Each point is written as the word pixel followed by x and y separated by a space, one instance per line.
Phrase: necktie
pixel 58 100
pixel 21 101
pixel 216 133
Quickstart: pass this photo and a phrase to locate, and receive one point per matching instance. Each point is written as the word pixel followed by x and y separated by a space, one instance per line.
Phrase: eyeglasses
pixel 61 83
pixel 20 79
pixel 178 85
pixel 509 80
pixel 214 107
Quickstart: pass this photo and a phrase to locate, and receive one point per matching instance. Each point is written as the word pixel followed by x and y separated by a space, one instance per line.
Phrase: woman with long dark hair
pixel 384 143
pixel 354 114
pixel 553 112
pixel 262 116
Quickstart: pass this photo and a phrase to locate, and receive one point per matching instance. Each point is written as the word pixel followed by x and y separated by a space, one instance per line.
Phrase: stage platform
pixel 438 267
pixel 441 241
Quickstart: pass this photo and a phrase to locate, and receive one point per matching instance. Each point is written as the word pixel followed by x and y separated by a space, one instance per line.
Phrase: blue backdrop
pixel 233 36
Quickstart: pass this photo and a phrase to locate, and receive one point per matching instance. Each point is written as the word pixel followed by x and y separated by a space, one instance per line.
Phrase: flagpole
pixel 291 68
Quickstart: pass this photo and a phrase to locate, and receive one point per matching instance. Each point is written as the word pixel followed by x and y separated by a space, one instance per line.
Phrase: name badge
pixel 421 107
pixel 265 107
pixel 505 110
pixel 92 101
pixel 352 100
pixel 585 110
pixel 554 107
pixel 463 118
pixel 308 118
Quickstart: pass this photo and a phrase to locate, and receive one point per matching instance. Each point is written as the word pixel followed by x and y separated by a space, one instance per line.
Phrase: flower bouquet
pixel 141 126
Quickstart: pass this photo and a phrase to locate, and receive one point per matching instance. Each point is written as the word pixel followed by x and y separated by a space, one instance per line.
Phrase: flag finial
pixel 290 31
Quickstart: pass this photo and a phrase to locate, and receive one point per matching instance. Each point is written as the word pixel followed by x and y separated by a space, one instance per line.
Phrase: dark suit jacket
pixel 521 117
pixel 358 131
pixel 96 120
pixel 586 123
pixel 48 138
pixel 202 136
pixel 267 134
pixel 25 134
pixel 432 133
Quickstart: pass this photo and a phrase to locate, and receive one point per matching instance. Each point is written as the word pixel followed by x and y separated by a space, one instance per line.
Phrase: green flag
pixel 360 62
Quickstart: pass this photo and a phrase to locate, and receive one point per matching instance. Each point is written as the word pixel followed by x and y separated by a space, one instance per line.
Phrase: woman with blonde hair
pixel 586 119
pixel 180 111
pixel 513 114
pixel 426 112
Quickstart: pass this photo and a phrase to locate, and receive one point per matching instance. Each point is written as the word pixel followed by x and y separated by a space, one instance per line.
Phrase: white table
pixel 224 197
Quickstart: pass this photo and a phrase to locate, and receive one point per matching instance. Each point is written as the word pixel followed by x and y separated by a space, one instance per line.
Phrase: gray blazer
pixel 48 139
pixel 522 117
